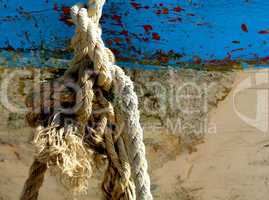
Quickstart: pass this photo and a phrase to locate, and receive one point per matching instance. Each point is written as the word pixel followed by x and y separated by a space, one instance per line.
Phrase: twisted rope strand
pixel 127 108
pixel 124 92
pixel 34 181
pixel 126 177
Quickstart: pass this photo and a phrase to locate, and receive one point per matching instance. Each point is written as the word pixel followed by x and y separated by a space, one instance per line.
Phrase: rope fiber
pixel 105 125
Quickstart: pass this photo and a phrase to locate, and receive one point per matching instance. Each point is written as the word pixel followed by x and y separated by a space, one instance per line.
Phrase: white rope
pixel 88 42
pixel 127 109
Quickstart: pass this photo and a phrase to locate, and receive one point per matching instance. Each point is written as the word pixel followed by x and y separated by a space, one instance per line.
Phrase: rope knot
pixel 70 143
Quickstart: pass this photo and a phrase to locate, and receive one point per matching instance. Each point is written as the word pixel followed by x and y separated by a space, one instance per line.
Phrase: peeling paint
pixel 147 32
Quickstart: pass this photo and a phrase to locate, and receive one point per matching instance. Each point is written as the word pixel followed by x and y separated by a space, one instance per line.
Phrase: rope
pixel 88 22
pixel 35 181
pixel 127 108
pixel 72 148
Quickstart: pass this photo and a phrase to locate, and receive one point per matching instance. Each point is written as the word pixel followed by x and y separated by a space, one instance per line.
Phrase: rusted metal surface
pixel 140 33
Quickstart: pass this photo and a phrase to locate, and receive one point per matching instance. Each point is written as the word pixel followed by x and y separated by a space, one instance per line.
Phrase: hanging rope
pixel 35 180
pixel 106 123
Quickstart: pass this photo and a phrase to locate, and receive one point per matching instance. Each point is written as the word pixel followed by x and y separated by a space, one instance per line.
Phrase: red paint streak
pixel 163 59
pixel 65 16
pixel 124 32
pixel 178 9
pixel 136 5
pixel 117 40
pixel 156 36
pixel 115 51
pixel 197 60
pixel 244 27
pixel 264 32
pixel 116 18
pixel 147 28
pixel 165 11
pixel 9 48
pixel 214 61
pixel 239 49
pixel 66 20
pixel 55 7
pixel 265 59
pixel 236 41
pixel 66 10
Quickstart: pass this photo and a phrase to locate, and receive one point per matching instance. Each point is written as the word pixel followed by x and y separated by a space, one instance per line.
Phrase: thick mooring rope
pixel 70 143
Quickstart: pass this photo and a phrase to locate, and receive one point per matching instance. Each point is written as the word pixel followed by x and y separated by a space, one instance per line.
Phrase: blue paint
pixel 208 30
